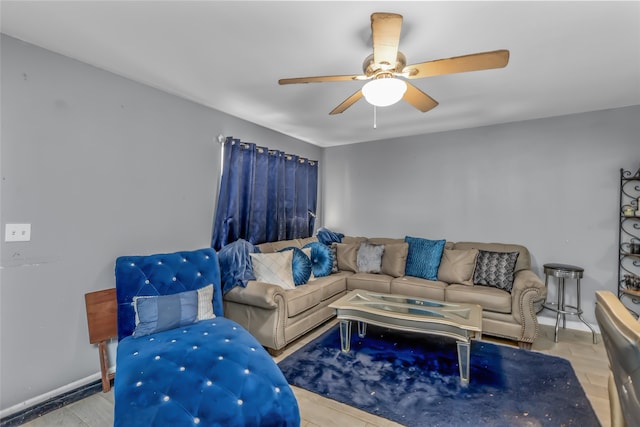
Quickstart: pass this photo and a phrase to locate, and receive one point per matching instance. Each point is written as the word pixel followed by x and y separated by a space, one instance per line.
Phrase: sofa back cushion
pixel 269 247
pixel 394 259
pixel 457 265
pixel 347 255
pixel 524 257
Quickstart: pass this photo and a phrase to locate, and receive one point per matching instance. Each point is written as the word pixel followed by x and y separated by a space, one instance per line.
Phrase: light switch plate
pixel 17 232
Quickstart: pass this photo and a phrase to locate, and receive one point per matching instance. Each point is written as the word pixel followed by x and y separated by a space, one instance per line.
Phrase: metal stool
pixel 561 272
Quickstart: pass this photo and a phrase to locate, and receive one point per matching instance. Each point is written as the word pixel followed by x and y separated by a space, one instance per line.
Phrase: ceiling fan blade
pixel 319 79
pixel 347 103
pixel 419 99
pixel 385 32
pixel 458 64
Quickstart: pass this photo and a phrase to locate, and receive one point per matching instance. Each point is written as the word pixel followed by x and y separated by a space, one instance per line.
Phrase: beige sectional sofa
pixel 277 316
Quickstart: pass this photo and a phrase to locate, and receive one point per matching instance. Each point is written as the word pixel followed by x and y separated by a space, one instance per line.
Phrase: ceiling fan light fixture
pixel 384 91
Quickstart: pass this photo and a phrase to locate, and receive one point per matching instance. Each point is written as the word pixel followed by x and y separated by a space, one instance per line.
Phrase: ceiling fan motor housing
pixel 371 69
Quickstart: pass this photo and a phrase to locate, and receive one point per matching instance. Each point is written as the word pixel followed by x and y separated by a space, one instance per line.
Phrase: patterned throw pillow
pixel 369 258
pixel 334 258
pixel 424 257
pixel 495 269
pixel 321 259
pixel 301 265
pixel 274 268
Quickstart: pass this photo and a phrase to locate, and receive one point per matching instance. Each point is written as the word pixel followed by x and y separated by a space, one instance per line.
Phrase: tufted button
pixel 220 357
pixel 152 339
pixel 199 274
pixel 135 353
pixel 195 347
pixel 184 260
pixel 133 264
pixel 174 278
pixel 209 383
pixel 173 340
pixel 206 257
pixel 227 340
pixel 159 262
pixel 182 368
pixel 277 389
pixel 206 333
pixel 166 398
pixel 157 358
pixel 246 371
pixel 146 282
pixel 240 402
pixel 139 383
pixel 196 420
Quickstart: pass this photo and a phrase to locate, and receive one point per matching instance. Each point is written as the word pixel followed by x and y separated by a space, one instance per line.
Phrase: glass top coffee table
pixel 456 320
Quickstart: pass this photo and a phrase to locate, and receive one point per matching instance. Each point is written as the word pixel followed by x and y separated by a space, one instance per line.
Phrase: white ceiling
pixel 566 57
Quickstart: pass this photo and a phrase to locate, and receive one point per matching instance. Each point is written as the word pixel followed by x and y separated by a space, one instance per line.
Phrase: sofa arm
pixel 258 294
pixel 527 290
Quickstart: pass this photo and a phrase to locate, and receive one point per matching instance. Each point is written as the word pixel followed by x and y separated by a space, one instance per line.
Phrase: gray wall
pixel 549 184
pixel 101 167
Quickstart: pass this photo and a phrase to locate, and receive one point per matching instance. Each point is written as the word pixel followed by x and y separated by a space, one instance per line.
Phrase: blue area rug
pixel 413 379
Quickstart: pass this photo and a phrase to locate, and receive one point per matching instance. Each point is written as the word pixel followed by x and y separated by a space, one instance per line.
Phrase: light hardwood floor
pixel 588 360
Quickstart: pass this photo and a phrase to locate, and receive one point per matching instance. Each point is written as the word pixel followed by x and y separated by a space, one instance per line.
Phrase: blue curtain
pixel 265 195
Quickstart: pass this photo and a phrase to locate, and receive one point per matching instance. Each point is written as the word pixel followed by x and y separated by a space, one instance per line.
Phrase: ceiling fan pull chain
pixel 375 121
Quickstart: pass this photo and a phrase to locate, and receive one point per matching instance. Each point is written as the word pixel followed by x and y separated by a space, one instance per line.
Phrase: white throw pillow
pixel 274 268
pixel 205 303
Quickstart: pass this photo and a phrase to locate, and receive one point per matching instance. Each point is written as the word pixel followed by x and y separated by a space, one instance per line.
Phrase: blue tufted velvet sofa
pixel 207 373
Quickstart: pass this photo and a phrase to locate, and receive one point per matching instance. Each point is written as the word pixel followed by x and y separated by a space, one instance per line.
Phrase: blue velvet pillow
pixel 301 265
pixel 424 257
pixel 161 313
pixel 327 236
pixel 321 259
pixel 235 264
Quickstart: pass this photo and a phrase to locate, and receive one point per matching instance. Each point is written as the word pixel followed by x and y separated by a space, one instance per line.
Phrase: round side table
pixel 561 272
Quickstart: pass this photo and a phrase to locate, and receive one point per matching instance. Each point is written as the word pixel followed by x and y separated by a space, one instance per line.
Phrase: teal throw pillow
pixel 301 265
pixel 321 259
pixel 424 257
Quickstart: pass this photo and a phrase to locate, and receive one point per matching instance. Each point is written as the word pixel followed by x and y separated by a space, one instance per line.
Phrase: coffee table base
pixel 464 347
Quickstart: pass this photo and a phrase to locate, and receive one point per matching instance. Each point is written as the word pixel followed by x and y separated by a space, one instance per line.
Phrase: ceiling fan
pixel 384 67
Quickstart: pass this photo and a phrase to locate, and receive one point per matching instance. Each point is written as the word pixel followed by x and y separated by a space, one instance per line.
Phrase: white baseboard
pixel 51 394
pixel 572 323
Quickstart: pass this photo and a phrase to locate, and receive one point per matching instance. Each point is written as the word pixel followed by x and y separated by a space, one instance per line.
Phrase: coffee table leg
pixel 345 335
pixel 362 329
pixel 464 353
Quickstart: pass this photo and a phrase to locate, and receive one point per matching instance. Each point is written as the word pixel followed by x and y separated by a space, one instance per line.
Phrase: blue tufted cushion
pixel 210 373
pixel 424 257
pixel 163 274
pixel 235 264
pixel 301 265
pixel 321 259
pixel 159 313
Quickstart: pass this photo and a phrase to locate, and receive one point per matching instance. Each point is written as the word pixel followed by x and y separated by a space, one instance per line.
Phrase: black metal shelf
pixel 629 233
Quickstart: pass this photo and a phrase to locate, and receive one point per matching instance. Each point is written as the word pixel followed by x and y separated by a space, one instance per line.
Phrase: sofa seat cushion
pixel 418 287
pixel 369 282
pixel 302 298
pixel 489 298
pixel 330 286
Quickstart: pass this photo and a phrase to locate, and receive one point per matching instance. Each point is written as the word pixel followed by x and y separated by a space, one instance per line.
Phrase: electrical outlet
pixel 17 232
